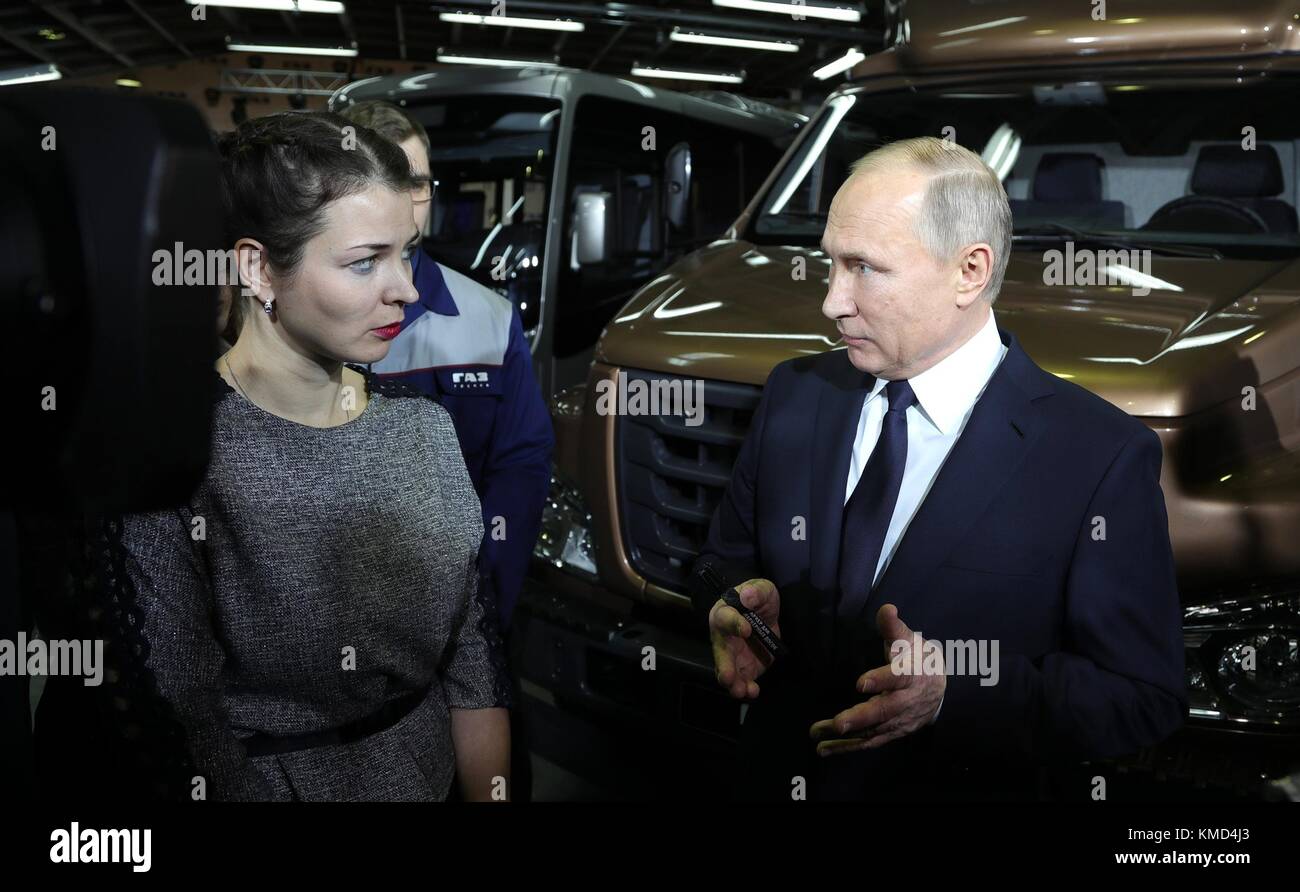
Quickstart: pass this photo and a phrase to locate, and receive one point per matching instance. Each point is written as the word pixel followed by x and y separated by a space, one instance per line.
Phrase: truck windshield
pixel 1198 168
pixel 490 161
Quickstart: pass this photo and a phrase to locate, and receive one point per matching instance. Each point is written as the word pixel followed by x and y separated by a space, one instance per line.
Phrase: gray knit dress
pixel 317 574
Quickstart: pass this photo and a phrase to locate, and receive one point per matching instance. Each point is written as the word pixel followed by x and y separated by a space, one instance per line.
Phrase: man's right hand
pixel 737 662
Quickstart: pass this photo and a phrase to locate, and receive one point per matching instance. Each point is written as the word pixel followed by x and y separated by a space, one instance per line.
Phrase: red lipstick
pixel 388 332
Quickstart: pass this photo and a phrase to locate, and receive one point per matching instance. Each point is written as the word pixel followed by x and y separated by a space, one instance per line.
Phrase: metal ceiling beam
pixel 807 65
pixel 159 28
pixel 346 21
pixel 660 48
pixel 31 49
pixel 401 32
pixel 280 81
pixel 609 44
pixel 89 34
pixel 236 25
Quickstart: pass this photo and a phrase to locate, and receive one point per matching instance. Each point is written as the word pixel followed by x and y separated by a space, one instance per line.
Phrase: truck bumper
pixel 577 647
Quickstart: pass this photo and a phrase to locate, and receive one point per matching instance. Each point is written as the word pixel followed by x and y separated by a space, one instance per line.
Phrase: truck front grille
pixel 671 475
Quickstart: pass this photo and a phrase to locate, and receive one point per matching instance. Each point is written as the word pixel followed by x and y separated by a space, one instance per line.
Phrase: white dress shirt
pixel 945 397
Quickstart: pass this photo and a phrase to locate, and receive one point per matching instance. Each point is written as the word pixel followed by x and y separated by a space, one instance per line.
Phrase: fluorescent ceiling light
pixel 673 74
pixel 843 63
pixel 794 9
pixel 290 50
pixel 327 6
pixel 717 40
pixel 459 59
pixel 30 75
pixel 127 82
pixel 507 21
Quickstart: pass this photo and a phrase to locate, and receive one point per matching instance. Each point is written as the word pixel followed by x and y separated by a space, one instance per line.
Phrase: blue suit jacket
pixel 1003 547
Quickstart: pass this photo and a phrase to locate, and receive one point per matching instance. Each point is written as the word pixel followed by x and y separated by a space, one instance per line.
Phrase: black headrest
pixel 1233 172
pixel 1068 176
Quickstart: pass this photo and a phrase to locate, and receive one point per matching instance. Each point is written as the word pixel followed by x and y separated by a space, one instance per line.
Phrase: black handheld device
pixel 712 579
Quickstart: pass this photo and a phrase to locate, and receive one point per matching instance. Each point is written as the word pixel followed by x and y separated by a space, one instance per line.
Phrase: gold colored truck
pixel 1152 163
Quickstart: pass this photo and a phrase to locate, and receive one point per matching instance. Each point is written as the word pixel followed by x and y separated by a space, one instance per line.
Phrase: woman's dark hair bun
pixel 280 171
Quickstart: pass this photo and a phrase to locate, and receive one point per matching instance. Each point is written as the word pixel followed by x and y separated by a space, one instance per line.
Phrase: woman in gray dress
pixel 314 614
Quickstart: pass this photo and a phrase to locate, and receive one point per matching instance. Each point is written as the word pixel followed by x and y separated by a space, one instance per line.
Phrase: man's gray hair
pixel 964 200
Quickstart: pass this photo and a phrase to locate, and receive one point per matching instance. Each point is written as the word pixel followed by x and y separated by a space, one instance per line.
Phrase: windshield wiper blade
pixel 796 215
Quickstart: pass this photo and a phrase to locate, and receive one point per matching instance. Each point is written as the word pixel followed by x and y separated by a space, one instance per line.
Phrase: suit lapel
pixel 1000 432
pixel 838 409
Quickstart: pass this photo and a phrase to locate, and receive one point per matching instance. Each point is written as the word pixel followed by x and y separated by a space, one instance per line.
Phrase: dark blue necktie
pixel 869 509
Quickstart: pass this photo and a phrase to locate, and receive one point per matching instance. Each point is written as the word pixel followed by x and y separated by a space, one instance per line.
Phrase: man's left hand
pixel 902 702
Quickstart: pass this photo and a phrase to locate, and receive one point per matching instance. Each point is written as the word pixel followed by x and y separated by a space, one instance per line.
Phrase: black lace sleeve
pixel 490 628
pixel 168 572
pixel 77 575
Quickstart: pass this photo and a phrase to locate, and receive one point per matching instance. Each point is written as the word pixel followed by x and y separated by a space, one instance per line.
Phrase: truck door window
pixel 491 159
pixel 612 156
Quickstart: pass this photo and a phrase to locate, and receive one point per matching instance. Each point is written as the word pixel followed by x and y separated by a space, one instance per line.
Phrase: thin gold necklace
pixel 231 369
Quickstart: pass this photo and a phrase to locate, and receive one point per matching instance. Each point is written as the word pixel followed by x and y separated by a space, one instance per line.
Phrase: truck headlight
pixel 565 537
pixel 1243 659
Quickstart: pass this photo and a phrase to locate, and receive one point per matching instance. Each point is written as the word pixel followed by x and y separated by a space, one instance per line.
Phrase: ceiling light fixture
pixel 843 63
pixel 506 21
pixel 325 6
pixel 30 75
pixel 463 59
pixel 779 46
pixel 796 10
pixel 676 74
pixel 291 50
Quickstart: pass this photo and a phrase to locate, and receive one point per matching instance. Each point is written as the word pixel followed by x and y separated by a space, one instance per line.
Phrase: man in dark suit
pixel 968 557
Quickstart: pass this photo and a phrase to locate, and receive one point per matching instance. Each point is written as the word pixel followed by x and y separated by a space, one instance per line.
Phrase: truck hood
pixel 733 310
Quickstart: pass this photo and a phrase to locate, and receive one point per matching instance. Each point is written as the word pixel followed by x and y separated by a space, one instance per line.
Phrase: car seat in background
pixel 1248 177
pixel 1068 185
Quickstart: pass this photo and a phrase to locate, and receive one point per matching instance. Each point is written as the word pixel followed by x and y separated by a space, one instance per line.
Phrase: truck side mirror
pixel 592 228
pixel 677 184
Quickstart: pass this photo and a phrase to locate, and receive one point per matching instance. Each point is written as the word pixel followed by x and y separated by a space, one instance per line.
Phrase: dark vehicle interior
pixel 491 161
pixel 628 152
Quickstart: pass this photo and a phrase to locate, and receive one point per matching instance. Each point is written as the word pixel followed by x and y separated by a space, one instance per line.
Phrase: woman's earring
pixel 267 306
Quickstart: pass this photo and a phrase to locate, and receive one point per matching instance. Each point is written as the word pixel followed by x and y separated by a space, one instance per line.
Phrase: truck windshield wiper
pixel 795 217
pixel 1056 231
